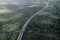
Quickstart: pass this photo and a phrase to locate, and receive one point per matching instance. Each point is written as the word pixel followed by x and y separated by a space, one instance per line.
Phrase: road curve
pixel 25 25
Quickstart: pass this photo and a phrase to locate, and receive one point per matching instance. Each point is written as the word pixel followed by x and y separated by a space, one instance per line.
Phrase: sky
pixel 18 0
pixel 8 0
pixel 21 1
pixel 11 1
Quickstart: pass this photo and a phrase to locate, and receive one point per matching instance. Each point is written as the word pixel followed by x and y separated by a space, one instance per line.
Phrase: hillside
pixel 44 26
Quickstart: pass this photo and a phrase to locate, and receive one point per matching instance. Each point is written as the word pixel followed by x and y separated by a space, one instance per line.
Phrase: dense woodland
pixel 44 26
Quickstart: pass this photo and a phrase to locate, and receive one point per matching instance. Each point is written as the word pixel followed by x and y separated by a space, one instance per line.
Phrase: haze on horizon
pixel 22 1
pixel 9 1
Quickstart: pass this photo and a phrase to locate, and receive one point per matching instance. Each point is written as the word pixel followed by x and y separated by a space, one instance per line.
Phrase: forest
pixel 44 26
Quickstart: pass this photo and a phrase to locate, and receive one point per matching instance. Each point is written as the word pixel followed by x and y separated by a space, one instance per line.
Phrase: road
pixel 25 25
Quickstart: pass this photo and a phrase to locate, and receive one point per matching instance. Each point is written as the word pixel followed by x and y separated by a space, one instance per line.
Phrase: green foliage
pixel 45 26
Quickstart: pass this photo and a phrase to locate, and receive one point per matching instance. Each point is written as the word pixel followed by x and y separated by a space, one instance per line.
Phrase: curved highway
pixel 25 25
